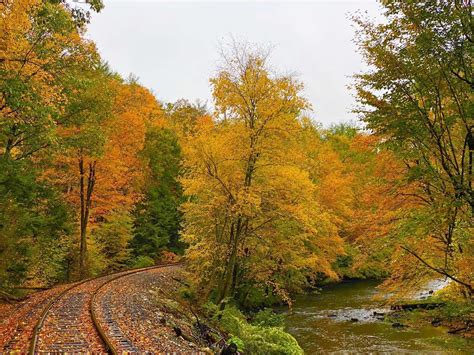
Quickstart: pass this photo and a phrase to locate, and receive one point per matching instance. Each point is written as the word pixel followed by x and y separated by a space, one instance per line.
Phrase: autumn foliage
pixel 259 200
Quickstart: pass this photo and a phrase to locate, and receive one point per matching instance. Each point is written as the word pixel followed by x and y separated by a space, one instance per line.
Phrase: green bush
pixel 143 261
pixel 258 297
pixel 238 342
pixel 455 311
pixel 258 338
pixel 187 293
pixel 268 318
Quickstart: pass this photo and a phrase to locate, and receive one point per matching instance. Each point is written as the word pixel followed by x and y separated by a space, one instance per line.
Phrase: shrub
pixel 453 311
pixel 143 261
pixel 258 338
pixel 268 318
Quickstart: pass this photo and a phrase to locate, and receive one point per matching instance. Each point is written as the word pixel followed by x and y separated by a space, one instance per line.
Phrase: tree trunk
pixel 230 273
pixel 226 279
pixel 85 201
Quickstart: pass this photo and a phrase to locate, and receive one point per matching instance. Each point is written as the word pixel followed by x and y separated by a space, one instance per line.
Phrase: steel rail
pixel 95 322
pixel 95 318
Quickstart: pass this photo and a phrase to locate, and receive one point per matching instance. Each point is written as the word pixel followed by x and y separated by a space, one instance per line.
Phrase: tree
pixel 377 199
pixel 182 117
pixel 157 217
pixel 112 237
pixel 251 221
pixel 82 140
pixel 40 47
pixel 41 50
pixel 34 225
pixel 99 168
pixel 419 98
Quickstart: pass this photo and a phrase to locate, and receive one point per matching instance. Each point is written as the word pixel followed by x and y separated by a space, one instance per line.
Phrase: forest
pixel 259 200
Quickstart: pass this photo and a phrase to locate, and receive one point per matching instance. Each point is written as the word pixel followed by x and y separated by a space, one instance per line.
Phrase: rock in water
pixel 398 325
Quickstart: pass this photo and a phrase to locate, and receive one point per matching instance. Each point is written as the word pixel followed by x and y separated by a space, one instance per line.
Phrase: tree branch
pixel 439 271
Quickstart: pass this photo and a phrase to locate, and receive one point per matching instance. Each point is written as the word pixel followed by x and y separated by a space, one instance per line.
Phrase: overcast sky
pixel 172 46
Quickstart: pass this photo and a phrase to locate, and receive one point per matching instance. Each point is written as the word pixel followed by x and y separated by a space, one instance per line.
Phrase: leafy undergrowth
pixel 263 334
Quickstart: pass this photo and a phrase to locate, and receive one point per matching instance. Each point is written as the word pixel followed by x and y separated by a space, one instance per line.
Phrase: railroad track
pixel 70 322
pixel 23 319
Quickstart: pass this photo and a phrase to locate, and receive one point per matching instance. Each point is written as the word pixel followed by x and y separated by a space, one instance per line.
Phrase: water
pixel 322 324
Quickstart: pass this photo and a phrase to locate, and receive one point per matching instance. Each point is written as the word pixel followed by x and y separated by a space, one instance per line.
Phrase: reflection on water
pixel 344 318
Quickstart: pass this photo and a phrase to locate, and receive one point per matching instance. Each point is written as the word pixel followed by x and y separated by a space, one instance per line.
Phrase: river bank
pixel 456 317
pixel 346 317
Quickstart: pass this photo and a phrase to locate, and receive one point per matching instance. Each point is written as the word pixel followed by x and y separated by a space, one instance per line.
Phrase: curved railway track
pixel 69 322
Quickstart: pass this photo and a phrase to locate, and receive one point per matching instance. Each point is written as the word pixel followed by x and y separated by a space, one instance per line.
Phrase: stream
pixel 341 319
